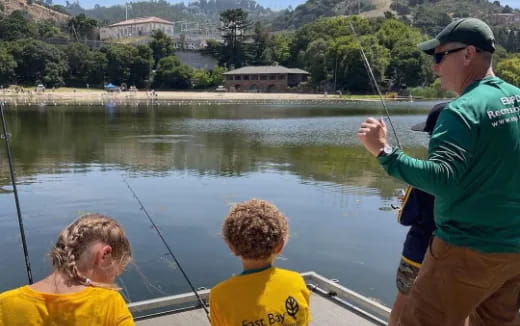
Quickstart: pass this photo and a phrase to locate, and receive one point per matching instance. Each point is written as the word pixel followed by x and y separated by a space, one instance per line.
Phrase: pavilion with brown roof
pixel 264 78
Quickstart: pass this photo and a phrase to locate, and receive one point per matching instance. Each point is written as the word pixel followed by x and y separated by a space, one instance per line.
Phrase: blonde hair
pixel 254 229
pixel 75 239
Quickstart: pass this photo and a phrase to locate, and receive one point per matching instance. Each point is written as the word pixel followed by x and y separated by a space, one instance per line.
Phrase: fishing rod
pixel 15 191
pixel 169 249
pixel 374 82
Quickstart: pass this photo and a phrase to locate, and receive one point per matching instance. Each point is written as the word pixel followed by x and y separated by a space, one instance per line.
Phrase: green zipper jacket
pixel 474 154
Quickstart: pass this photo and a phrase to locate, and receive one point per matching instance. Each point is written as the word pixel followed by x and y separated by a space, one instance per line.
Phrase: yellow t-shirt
pixel 89 307
pixel 272 297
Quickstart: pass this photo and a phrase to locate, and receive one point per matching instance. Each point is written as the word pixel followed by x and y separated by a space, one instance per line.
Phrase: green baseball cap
pixel 471 31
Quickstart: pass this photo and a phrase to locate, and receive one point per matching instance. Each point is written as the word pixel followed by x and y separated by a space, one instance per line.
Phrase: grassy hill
pixel 36 11
pixel 416 12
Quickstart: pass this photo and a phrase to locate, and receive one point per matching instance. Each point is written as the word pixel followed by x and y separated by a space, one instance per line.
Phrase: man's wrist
pixel 385 150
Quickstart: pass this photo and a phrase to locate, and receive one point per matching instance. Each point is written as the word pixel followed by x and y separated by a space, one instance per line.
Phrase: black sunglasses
pixel 437 57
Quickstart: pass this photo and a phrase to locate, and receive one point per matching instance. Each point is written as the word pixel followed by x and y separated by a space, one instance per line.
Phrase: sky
pixel 274 4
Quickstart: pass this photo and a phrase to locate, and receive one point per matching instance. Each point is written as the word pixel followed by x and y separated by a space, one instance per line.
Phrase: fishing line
pixel 374 82
pixel 168 247
pixel 15 192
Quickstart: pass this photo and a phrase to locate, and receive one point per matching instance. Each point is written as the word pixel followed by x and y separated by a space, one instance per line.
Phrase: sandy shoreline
pixel 100 96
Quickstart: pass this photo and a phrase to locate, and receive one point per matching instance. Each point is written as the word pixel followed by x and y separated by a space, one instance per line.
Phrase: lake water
pixel 188 164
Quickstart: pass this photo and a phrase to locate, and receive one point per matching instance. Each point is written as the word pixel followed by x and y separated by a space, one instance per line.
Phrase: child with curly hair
pixel 256 231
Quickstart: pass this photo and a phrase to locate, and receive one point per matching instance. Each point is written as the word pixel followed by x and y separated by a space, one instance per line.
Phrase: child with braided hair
pixel 88 255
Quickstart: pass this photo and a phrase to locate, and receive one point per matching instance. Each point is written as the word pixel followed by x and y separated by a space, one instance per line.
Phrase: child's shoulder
pixel 10 293
pixel 106 294
pixel 287 273
pixel 272 274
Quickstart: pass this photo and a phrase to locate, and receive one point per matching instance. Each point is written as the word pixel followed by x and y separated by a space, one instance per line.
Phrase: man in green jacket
pixel 472 267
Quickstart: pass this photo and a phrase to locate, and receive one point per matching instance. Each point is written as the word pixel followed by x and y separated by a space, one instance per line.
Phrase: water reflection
pixel 189 164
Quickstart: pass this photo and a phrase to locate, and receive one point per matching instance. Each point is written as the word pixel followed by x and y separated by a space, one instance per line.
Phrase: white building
pixel 136 27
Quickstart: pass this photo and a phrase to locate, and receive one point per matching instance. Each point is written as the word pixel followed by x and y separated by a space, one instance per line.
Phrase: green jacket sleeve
pixel 450 154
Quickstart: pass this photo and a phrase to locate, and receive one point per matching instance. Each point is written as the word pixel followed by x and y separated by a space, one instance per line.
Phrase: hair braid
pixel 76 238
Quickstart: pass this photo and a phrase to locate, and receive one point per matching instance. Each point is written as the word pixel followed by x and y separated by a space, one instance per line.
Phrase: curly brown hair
pixel 254 229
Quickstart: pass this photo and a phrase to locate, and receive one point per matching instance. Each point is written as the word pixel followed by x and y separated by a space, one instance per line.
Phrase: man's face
pixel 448 64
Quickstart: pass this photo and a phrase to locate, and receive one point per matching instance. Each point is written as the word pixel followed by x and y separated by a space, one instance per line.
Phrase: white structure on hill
pixel 136 27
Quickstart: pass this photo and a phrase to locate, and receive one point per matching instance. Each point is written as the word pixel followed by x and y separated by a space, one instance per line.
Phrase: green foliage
pixel 201 79
pixel 217 76
pixel 328 49
pixel 281 48
pixel 38 62
pixel 16 26
pixel 509 69
pixel 431 21
pixel 7 66
pixel 312 10
pixel 261 55
pixel 161 45
pixel 48 29
pixel 128 64
pixel 82 28
pixel 172 74
pixel 234 25
pixel 85 66
pixel 433 91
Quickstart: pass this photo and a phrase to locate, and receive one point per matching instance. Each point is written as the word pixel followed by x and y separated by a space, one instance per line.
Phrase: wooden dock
pixel 331 305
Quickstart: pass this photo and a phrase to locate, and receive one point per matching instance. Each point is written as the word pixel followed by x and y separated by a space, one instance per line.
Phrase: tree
pixel 85 66
pixel 161 45
pixel 217 76
pixel 234 25
pixel 316 62
pixel 82 28
pixel 38 62
pixel 431 21
pixel 128 64
pixel 172 74
pixel 409 66
pixel 16 26
pixel 281 48
pixel 7 66
pixel 261 42
pixel 141 66
pixel 47 29
pixel 201 79
pixel 509 69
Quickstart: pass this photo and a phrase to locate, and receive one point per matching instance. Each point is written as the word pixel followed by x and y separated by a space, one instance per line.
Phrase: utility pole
pixel 126 11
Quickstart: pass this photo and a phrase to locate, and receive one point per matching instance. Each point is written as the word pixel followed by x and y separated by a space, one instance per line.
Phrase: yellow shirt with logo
pixel 91 306
pixel 272 297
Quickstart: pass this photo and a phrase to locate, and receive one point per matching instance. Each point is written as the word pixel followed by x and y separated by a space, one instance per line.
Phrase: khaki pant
pixel 456 282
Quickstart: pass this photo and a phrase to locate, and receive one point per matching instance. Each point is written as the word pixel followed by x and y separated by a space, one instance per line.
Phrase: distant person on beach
pixel 86 258
pixel 417 212
pixel 472 266
pixel 256 231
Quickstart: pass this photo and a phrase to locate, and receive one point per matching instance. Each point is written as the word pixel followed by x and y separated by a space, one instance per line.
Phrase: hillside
pixel 424 14
pixel 195 11
pixel 36 11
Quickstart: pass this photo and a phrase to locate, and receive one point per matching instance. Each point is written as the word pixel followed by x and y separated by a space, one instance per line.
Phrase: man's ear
pixel 469 54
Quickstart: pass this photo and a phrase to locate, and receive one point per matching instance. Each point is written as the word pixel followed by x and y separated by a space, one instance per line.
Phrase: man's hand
pixel 372 134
